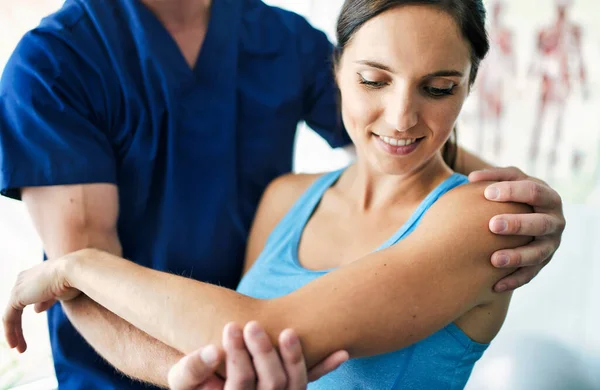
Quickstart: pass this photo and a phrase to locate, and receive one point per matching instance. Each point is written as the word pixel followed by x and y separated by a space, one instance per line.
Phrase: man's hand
pixel 546 224
pixel 252 363
pixel 197 370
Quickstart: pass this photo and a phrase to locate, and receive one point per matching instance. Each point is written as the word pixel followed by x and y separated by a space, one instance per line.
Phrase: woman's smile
pixel 397 146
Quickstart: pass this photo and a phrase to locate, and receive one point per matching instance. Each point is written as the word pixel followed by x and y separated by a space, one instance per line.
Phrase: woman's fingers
pixel 43 306
pixel 12 321
pixel 13 330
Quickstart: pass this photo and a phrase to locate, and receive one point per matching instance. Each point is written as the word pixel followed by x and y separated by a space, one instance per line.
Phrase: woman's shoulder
pixel 470 197
pixel 278 198
pixel 463 214
pixel 285 190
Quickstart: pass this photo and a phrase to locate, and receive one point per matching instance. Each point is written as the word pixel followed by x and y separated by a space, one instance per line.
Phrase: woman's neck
pixel 373 190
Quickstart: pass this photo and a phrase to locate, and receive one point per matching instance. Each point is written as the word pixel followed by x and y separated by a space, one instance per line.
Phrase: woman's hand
pixel 546 224
pixel 40 286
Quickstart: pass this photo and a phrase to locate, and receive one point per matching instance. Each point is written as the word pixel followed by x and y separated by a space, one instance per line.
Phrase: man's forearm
pixel 72 217
pixel 467 162
pixel 124 346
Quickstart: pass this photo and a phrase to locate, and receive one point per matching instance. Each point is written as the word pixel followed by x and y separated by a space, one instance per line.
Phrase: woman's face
pixel 403 79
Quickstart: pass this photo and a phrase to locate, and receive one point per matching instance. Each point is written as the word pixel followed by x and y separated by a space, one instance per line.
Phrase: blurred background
pixel 536 105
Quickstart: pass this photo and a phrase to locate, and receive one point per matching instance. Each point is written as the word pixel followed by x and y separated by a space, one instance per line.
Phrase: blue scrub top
pixel 100 93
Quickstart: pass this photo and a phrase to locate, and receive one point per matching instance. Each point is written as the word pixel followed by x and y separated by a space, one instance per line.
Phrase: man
pixel 149 129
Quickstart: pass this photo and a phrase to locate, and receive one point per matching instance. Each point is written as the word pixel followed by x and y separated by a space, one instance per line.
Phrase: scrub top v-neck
pixel 101 93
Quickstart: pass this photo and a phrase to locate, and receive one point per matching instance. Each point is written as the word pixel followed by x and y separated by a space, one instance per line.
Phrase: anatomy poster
pixel 536 103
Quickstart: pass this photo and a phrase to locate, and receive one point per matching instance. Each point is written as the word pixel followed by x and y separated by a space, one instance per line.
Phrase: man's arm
pixel 69 218
pixel 463 281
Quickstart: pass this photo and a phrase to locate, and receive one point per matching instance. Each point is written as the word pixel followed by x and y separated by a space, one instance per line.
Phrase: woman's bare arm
pixel 380 303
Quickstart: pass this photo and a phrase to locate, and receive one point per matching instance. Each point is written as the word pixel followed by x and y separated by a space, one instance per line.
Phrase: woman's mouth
pixel 397 146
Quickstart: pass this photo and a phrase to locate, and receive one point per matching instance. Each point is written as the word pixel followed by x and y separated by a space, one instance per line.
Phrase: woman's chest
pixel 331 239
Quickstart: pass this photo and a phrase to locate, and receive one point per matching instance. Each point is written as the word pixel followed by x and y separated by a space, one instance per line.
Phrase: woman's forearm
pixel 377 304
pixel 180 312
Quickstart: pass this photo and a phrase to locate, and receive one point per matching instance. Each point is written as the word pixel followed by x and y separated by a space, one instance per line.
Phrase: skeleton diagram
pixel 498 67
pixel 558 62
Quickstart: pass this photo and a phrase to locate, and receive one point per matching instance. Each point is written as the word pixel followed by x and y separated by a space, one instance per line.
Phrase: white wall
pixel 561 309
pixel 20 247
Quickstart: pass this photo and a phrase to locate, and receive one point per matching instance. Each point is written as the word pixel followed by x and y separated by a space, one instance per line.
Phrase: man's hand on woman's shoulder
pixel 546 224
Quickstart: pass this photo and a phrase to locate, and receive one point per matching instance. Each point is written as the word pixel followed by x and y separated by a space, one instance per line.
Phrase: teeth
pixel 397 142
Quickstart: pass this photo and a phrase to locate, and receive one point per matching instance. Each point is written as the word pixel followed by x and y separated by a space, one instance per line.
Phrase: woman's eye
pixel 371 84
pixel 440 92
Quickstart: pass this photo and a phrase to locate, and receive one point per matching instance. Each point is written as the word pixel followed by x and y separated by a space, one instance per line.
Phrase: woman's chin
pixel 392 168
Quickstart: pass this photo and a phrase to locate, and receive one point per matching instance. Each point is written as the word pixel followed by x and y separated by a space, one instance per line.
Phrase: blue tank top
pixel 443 360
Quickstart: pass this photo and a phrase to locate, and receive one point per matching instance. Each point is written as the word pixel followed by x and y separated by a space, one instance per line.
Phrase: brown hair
pixel 468 14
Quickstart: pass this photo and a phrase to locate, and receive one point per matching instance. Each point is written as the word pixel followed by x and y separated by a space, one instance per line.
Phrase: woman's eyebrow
pixel 445 73
pixel 375 64
pixel 439 73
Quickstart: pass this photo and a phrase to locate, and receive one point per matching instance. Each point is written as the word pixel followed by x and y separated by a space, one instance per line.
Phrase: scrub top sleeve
pixel 49 132
pixel 321 107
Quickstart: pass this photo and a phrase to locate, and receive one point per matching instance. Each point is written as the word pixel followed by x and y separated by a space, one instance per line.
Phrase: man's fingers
pixel 536 253
pixel 267 364
pixel 213 383
pixel 497 174
pixel 293 360
pixel 43 306
pixel 530 192
pixel 534 224
pixel 240 371
pixel 195 369
pixel 329 364
pixel 519 278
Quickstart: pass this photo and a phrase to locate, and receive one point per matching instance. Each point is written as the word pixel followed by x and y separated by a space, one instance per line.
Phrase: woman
pixel 387 259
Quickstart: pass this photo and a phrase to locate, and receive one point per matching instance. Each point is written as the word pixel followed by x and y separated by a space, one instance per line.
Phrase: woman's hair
pixel 468 14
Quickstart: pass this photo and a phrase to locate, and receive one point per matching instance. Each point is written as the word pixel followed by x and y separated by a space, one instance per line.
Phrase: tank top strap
pixel 298 215
pixel 448 184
